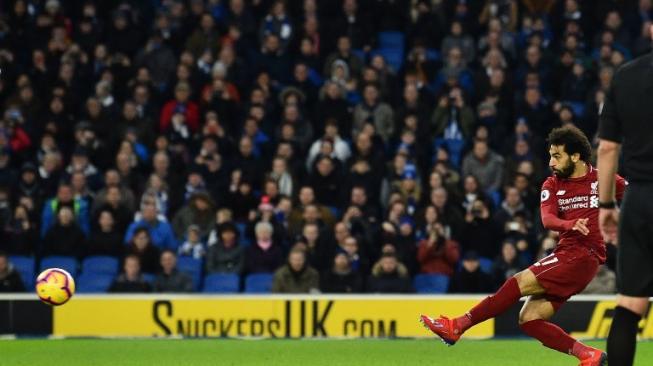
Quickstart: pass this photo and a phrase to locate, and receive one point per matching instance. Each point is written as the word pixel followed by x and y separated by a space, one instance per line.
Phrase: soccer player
pixel 569 205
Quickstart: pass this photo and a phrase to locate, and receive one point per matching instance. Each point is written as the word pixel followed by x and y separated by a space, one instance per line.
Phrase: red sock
pixel 491 306
pixel 554 337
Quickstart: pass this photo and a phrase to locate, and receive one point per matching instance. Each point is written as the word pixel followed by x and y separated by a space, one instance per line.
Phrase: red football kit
pixel 576 258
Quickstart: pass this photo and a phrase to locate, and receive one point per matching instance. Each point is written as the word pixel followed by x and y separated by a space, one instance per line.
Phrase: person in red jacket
pixel 436 254
pixel 181 104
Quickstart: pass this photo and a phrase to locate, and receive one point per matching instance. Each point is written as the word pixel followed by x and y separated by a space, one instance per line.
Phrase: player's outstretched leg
pixel 450 330
pixel 532 320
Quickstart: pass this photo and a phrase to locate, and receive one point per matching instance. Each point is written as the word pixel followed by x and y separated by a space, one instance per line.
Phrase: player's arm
pixel 549 213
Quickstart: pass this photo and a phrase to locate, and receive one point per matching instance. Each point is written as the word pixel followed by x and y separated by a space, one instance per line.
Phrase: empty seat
pixel 100 264
pixel 431 283
pixel 485 264
pixel 193 267
pixel 93 283
pixel 221 283
pixel 258 283
pixel 68 264
pixel 25 267
pixel 393 40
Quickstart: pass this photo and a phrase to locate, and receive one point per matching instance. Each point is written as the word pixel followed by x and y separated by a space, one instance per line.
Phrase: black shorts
pixel 635 254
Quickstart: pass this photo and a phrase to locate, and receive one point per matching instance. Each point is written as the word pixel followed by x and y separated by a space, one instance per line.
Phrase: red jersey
pixel 563 201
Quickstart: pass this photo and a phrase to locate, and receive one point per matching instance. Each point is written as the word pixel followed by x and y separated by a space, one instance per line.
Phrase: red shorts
pixel 565 273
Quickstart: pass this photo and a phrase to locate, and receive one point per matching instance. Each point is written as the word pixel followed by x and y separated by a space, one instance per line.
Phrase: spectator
pixel 105 238
pixel 264 255
pixel 64 198
pixel 470 279
pixel 507 264
pixel 224 253
pixel 486 165
pixel 199 211
pixel 193 246
pixel 480 233
pixel 387 277
pixel 142 247
pixel 65 237
pixel 297 276
pixel 436 254
pixel 374 111
pixel 341 278
pixel 170 279
pixel 10 280
pixel 21 234
pixel 160 230
pixel 131 280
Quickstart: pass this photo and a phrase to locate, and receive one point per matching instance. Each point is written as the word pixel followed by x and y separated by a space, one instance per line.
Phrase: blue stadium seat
pixel 360 53
pixel 93 283
pixel 485 264
pixel 258 283
pixel 242 234
pixel 100 264
pixel 431 283
pixel 149 277
pixel 221 283
pixel 68 264
pixel 25 267
pixel 393 40
pixel 193 267
pixel 432 54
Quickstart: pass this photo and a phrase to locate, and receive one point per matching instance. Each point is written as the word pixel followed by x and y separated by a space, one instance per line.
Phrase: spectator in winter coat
pixel 264 255
pixel 224 253
pixel 296 276
pixel 484 164
pixel 388 278
pixel 436 254
pixel 142 247
pixel 131 280
pixel 160 230
pixel 373 110
pixel 170 279
pixel 65 198
pixel 105 238
pixel 193 246
pixel 10 280
pixel 340 278
pixel 65 237
pixel 470 279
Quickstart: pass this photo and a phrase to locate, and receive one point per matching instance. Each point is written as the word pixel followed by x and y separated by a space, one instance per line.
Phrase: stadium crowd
pixel 345 146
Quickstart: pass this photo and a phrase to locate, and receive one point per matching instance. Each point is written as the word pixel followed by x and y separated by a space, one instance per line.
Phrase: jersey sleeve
pixel 609 123
pixel 621 185
pixel 549 209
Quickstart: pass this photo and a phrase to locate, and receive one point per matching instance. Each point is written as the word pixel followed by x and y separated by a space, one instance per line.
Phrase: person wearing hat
pixel 471 279
pixel 224 253
pixel 193 246
pixel 199 211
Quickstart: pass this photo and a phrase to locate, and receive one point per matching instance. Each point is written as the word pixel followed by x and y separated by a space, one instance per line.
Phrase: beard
pixel 565 172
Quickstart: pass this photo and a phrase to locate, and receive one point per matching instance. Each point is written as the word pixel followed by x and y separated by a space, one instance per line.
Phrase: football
pixel 55 286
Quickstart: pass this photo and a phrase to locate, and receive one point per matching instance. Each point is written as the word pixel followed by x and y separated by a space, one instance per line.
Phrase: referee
pixel 627 122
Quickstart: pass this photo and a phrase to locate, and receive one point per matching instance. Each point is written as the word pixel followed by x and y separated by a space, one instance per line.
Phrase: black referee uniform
pixel 627 119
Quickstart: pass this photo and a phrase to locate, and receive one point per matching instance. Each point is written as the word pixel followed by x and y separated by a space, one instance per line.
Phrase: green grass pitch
pixel 72 352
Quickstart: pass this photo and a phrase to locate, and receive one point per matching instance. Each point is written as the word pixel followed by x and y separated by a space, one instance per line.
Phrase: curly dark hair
pixel 573 139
